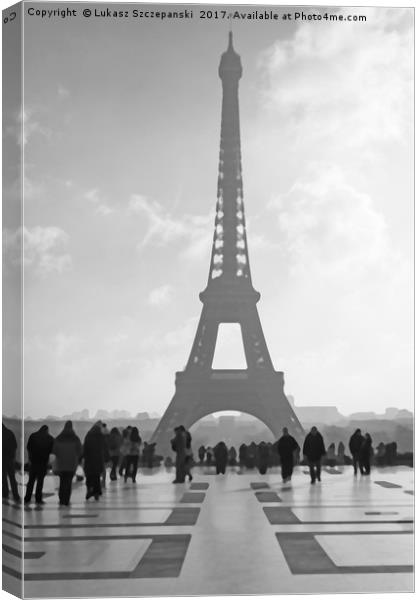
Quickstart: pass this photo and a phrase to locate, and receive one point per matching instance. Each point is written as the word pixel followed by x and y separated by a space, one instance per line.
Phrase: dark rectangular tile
pixel 259 485
pixel 387 484
pixel 193 497
pixel 305 556
pixel 199 486
pixel 267 497
pixel 183 516
pixel 164 558
pixel 279 516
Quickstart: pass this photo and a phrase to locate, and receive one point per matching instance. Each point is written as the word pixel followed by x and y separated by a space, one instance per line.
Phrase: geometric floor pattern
pixel 241 533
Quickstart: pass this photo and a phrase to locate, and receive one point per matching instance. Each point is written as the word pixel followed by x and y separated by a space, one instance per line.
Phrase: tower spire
pixel 229 259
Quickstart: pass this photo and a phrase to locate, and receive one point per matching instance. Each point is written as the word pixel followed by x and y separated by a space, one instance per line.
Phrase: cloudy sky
pixel 122 124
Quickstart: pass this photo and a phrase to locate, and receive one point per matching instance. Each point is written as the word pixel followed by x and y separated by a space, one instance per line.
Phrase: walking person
pixel 243 455
pixel 132 459
pixel 251 456
pixel 221 457
pixel 209 456
pixel 114 446
pixel 189 461
pixel 179 446
pixel 380 454
pixel 355 444
pixel 124 449
pixel 287 448
pixel 94 460
pixel 39 447
pixel 9 448
pixel 67 449
pixel 365 454
pixel 340 453
pixel 263 455
pixel 331 458
pixel 314 450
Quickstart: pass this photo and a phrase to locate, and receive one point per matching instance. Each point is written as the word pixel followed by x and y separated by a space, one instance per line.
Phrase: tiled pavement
pixel 237 533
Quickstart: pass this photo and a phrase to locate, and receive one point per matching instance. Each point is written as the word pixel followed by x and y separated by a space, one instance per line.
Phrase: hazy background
pixel 122 124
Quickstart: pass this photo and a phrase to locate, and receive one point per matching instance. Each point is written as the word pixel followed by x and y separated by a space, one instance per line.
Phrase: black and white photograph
pixel 208 299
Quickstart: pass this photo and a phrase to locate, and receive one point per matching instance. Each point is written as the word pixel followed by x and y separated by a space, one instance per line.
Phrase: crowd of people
pixel 285 452
pixel 101 447
pixel 122 451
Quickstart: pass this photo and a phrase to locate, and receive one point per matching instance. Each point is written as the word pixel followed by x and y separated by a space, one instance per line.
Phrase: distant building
pixel 316 414
pixel 363 416
pixel 319 414
pixel 142 416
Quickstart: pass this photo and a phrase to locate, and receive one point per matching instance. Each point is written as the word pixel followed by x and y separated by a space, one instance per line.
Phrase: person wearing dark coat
pixel 251 457
pixel 287 448
pixel 365 454
pixel 94 460
pixel 67 449
pixel 263 455
pixel 220 457
pixel 209 456
pixel 314 450
pixel 114 441
pixel 179 446
pixel 243 455
pixel 189 459
pixel 39 448
pixel 132 461
pixel 355 444
pixel 340 453
pixel 232 456
pixel 9 447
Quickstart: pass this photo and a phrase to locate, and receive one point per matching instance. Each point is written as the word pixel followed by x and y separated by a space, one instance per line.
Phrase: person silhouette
pixel 287 448
pixel 355 444
pixel 9 445
pixel 39 446
pixel 314 450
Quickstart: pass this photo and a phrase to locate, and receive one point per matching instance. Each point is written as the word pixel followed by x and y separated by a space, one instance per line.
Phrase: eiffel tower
pixel 228 298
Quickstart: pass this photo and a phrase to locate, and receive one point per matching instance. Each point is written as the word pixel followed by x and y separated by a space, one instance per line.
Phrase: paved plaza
pixel 235 533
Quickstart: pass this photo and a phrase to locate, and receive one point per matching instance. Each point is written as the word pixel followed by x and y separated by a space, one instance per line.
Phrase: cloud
pixel 41 248
pixel 23 125
pixel 350 85
pixel 327 224
pixel 62 92
pixel 102 208
pixel 92 195
pixel 163 228
pixel 160 296
pixel 66 346
pixel 31 126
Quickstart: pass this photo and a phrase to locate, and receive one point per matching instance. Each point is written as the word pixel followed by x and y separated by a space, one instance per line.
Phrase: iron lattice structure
pixel 228 298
